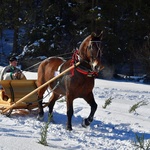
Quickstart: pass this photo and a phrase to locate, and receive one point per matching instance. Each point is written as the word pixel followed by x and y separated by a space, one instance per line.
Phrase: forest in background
pixel 54 27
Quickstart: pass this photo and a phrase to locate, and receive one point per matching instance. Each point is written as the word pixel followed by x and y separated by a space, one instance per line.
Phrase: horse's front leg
pixel 91 101
pixel 69 112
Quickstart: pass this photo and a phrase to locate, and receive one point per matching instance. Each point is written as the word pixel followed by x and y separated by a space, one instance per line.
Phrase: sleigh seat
pixel 14 90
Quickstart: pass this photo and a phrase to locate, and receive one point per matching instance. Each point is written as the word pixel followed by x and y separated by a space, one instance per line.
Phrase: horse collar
pixel 82 69
pixel 56 73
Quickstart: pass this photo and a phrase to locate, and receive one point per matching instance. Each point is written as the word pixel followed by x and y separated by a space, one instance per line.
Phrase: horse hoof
pixel 85 123
pixel 69 129
pixel 40 118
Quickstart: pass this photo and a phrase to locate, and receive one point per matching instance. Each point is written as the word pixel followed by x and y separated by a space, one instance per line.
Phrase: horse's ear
pixel 93 34
pixel 101 35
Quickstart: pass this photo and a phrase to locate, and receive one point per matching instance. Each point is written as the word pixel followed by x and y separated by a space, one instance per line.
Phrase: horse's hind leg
pixel 52 101
pixel 91 101
pixel 40 107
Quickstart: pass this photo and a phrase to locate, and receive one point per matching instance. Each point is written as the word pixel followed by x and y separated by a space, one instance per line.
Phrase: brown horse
pixel 77 83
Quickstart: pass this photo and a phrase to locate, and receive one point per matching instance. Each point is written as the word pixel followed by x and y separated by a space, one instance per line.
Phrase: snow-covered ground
pixel 113 128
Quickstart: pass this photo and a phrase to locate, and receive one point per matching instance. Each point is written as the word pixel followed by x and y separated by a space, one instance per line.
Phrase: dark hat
pixel 13 58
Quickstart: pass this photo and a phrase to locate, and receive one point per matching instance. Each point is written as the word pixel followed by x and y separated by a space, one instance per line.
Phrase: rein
pixel 83 70
pixel 37 64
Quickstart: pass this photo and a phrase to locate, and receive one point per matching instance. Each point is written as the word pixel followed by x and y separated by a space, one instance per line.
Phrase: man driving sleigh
pixel 11 72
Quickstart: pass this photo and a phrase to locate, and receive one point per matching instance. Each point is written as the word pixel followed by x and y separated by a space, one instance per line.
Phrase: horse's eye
pixel 89 47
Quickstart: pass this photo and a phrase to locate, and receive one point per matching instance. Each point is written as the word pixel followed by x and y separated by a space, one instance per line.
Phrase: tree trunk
pixel 16 26
pixel 15 41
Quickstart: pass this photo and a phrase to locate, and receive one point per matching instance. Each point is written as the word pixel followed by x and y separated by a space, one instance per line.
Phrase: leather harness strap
pixel 85 71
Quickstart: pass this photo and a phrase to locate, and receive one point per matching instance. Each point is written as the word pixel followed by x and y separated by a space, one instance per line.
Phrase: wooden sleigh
pixel 14 90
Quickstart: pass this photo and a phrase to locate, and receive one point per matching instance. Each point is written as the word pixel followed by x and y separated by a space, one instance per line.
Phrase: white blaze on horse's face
pixel 95 54
pixel 95 66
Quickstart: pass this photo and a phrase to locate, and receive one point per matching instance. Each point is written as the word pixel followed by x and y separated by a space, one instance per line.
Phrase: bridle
pixel 90 49
pixel 77 57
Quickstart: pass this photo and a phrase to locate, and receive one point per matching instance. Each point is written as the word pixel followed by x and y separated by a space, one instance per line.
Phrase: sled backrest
pixel 23 88
pixel 8 88
pixel 17 89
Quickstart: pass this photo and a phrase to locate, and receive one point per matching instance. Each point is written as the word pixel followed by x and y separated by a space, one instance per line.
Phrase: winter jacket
pixel 7 72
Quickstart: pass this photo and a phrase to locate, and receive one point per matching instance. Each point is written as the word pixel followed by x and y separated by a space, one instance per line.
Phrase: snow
pixel 113 128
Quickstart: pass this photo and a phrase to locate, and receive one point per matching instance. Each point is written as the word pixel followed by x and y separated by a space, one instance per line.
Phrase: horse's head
pixel 91 51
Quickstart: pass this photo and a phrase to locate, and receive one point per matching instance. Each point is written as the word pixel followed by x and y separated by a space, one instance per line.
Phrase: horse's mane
pixel 85 42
